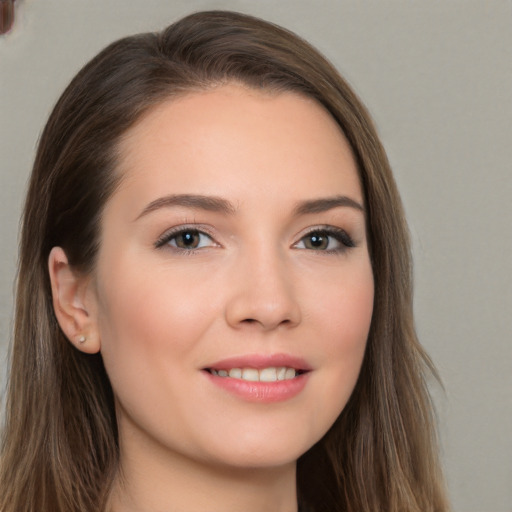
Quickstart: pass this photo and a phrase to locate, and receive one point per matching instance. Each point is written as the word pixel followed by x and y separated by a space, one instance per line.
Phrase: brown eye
pixel 329 240
pixel 318 241
pixel 185 240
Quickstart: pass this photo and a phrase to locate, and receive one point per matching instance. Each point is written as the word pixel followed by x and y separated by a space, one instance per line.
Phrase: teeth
pixel 290 373
pixel 269 375
pixel 235 373
pixel 281 373
pixel 252 375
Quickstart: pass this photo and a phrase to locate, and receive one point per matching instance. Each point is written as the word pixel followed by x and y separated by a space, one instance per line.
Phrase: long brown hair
pixel 60 446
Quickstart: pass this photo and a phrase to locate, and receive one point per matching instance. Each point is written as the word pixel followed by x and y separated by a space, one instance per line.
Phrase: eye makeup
pixel 186 238
pixel 328 239
pixel 191 238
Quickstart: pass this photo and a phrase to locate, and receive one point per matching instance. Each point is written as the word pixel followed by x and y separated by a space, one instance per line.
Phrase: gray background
pixel 437 77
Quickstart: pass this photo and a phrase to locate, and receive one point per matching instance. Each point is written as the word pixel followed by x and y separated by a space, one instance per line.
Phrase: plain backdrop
pixel 437 77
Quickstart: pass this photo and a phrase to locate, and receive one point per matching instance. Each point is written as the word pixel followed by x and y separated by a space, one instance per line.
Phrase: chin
pixel 255 450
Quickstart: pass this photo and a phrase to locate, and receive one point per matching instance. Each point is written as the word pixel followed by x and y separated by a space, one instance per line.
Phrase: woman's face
pixel 233 287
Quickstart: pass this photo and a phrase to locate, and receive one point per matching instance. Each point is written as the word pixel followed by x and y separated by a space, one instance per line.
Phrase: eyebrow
pixel 326 204
pixel 196 202
pixel 218 204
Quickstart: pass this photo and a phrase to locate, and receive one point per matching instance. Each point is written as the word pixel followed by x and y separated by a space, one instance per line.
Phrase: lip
pixel 260 361
pixel 262 392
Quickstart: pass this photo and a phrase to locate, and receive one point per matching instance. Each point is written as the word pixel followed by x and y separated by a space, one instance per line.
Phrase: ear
pixel 74 303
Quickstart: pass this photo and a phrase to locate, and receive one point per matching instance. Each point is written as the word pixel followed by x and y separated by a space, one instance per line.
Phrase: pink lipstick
pixel 260 378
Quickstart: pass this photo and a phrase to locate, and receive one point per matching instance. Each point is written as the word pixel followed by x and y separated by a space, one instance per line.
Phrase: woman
pixel 214 305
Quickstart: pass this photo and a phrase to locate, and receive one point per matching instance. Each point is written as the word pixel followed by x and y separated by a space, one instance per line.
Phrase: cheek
pixel 344 309
pixel 350 317
pixel 343 313
pixel 150 331
pixel 151 307
pixel 153 325
pixel 147 328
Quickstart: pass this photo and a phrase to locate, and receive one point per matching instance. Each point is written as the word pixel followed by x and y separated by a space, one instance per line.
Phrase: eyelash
pixel 340 235
pixel 166 238
pixel 330 232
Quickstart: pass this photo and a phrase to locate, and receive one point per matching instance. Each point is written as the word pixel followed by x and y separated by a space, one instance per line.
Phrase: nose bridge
pixel 263 289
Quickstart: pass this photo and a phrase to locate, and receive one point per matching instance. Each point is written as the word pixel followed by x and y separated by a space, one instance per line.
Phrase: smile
pixel 270 374
pixel 263 378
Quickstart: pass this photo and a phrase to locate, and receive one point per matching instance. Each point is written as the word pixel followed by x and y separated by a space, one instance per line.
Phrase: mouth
pixel 269 374
pixel 261 378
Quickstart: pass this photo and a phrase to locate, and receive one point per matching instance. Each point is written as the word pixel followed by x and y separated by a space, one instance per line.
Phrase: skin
pixel 254 285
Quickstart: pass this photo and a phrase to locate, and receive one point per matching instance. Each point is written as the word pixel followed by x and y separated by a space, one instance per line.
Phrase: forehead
pixel 233 137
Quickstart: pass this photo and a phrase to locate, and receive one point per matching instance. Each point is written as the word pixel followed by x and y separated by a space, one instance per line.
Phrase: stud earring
pixel 81 339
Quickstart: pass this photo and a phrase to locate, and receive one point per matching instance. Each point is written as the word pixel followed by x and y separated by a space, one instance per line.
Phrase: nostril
pixel 251 321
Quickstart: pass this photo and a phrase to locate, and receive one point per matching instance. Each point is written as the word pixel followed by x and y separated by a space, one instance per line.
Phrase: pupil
pixel 188 239
pixel 317 241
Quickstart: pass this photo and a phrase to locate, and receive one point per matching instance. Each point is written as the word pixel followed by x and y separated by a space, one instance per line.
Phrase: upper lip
pixel 260 361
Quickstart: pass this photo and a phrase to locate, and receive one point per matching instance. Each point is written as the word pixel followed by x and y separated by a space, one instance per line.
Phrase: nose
pixel 263 293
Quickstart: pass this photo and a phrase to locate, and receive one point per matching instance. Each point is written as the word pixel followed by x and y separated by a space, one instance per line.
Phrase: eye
pixel 186 239
pixel 326 239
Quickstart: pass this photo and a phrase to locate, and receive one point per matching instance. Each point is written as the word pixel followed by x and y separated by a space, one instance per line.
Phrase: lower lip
pixel 264 392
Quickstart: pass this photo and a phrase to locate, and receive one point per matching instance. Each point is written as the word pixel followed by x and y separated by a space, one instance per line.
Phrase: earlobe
pixel 73 303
